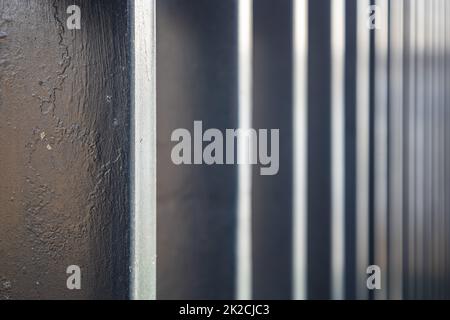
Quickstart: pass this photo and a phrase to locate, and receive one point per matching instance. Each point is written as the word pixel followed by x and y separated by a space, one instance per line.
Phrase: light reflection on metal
pixel 143 153
pixel 420 150
pixel 338 148
pixel 300 206
pixel 244 199
pixel 381 145
pixel 362 148
pixel 396 147
pixel 411 106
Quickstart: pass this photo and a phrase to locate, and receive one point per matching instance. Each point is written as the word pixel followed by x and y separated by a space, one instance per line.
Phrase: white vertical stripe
pixel 411 149
pixel 446 148
pixel 300 206
pixel 439 149
pixel 244 201
pixel 420 149
pixel 442 194
pixel 442 146
pixel 338 148
pixel 381 143
pixel 442 231
pixel 362 147
pixel 441 69
pixel 437 162
pixel 434 235
pixel 396 153
pixel 143 154
pixel 447 106
pixel 429 151
pixel 436 147
pixel 443 149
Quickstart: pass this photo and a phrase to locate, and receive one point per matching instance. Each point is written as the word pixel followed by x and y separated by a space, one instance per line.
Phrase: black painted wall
pixel 64 123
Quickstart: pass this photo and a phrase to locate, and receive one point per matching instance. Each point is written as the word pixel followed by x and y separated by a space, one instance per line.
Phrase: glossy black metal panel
pixel 272 195
pixel 350 145
pixel 319 149
pixel 196 80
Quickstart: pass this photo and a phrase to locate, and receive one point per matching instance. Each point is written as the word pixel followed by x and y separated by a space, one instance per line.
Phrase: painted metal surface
pixel 272 200
pixel 197 74
pixel 86 118
pixel 143 149
pixel 64 124
pixel 300 35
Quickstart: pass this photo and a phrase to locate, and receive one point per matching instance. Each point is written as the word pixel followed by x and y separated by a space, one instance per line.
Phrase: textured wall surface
pixel 64 137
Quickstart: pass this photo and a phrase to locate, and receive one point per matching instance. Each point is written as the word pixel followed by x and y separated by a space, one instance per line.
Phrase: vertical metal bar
pixel 434 141
pixel 443 253
pixel 443 148
pixel 435 228
pixel 300 207
pixel 442 195
pixel 143 155
pixel 381 145
pixel 412 128
pixel 338 147
pixel 439 147
pixel 396 151
pixel 438 171
pixel 446 11
pixel 447 146
pixel 443 157
pixel 420 149
pixel 428 253
pixel 362 146
pixel 435 149
pixel 245 93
